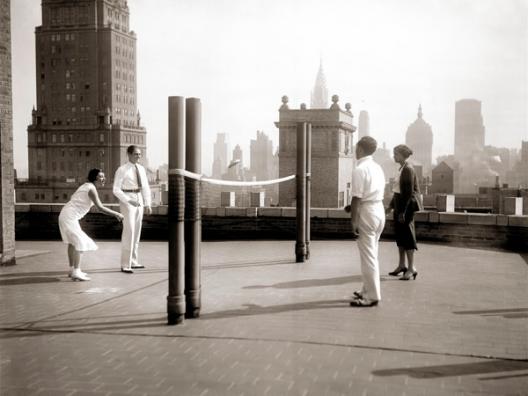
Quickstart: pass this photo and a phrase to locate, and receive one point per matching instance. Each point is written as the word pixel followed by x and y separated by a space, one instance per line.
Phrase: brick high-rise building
pixel 332 154
pixel 7 205
pixel 86 113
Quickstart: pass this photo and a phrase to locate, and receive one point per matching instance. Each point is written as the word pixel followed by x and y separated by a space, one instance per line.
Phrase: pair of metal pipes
pixel 185 224
pixel 303 199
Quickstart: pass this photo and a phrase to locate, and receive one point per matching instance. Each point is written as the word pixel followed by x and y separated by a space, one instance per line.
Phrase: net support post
pixel 176 297
pixel 193 221
pixel 300 244
pixel 308 186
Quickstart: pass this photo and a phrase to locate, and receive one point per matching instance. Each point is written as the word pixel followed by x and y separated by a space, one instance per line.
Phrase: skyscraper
pixel 419 138
pixel 469 129
pixel 320 92
pixel 261 157
pixel 363 124
pixel 86 113
pixel 220 155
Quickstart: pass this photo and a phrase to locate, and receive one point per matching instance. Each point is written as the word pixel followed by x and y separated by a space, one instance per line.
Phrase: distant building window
pixel 36 196
pixel 101 138
pixel 87 153
pixel 54 138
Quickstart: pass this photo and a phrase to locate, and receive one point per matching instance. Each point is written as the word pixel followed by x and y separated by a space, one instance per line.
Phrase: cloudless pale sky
pixel 241 56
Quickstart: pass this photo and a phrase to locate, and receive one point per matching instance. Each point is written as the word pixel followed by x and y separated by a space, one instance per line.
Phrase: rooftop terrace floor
pixel 268 325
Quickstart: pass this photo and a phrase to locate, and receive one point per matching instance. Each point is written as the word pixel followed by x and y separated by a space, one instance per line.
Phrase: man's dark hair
pixel 368 144
pixel 92 175
pixel 131 148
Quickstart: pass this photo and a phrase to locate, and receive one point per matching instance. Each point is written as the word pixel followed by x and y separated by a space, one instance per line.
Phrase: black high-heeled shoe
pixel 408 275
pixel 397 271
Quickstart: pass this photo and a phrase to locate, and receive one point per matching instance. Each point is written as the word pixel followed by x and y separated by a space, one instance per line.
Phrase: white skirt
pixel 72 233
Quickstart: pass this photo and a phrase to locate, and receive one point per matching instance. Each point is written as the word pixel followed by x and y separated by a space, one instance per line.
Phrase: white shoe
pixel 70 272
pixel 79 275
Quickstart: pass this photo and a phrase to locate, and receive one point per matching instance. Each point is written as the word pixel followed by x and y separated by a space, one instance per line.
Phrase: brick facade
pixel 332 154
pixel 7 212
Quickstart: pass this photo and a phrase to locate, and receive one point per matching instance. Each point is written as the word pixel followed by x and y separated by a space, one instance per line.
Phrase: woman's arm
pixel 407 186
pixel 92 193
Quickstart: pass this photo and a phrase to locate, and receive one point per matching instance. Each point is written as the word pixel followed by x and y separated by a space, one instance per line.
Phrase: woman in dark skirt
pixel 405 202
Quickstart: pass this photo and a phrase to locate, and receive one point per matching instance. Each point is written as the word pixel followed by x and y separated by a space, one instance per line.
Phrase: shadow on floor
pixel 31 274
pixel 253 310
pixel 454 370
pixel 28 280
pixel 83 327
pixel 309 283
pixel 508 313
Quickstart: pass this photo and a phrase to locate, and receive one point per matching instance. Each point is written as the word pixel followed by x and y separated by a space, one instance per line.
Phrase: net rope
pixel 218 182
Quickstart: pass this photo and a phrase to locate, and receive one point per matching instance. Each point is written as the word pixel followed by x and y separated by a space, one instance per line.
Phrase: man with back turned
pixel 368 219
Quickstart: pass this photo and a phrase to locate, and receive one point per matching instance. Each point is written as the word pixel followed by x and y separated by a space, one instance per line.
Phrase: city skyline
pixel 386 59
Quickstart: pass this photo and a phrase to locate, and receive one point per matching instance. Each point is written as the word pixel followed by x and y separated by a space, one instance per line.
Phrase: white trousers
pixel 370 226
pixel 131 234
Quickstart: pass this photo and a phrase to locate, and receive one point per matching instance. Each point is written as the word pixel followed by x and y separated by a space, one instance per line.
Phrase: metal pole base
pixel 192 313
pixel 193 304
pixel 174 319
pixel 307 251
pixel 175 310
pixel 300 252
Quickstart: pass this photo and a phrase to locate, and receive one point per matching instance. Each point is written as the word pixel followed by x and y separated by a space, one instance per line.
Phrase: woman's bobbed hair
pixel 404 150
pixel 92 175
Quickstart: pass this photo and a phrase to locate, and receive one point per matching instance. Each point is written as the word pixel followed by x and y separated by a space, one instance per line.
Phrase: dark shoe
pixel 397 271
pixel 360 302
pixel 127 270
pixel 408 275
pixel 138 266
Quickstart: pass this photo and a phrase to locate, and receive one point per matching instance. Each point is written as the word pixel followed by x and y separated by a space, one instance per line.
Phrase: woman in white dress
pixel 79 204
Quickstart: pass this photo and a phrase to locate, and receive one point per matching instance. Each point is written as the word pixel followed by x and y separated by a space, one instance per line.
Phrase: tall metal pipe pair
pixel 185 224
pixel 303 200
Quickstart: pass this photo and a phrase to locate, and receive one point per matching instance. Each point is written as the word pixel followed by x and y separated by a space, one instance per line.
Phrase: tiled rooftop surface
pixel 268 326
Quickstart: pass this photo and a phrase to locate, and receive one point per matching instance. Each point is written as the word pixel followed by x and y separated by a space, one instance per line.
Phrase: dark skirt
pixel 404 233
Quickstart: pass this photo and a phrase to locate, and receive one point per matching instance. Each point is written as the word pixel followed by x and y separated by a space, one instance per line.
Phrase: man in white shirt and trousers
pixel 132 189
pixel 368 219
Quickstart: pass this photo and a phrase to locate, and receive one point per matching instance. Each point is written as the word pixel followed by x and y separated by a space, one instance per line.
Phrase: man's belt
pixel 132 190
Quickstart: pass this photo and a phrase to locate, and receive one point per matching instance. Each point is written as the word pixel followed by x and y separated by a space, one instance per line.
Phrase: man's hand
pixel 148 210
pixel 133 203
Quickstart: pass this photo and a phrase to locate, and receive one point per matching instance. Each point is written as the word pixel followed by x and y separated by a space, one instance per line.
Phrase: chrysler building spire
pixel 320 92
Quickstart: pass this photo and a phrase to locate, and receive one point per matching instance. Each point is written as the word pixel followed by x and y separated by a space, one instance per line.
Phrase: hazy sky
pixel 241 56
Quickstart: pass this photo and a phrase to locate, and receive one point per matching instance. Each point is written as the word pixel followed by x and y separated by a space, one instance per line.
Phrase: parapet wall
pixel 40 222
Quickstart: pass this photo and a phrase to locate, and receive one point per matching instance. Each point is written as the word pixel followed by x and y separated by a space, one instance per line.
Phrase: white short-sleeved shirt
pixel 368 180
